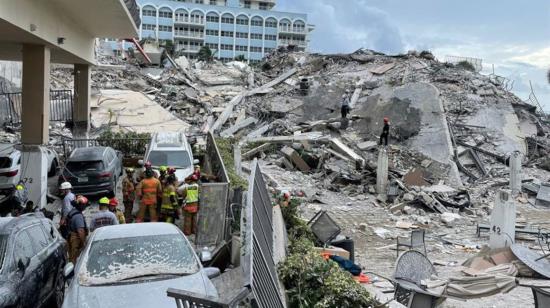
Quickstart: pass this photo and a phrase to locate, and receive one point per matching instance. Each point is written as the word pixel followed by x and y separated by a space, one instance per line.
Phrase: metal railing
pixel 185 299
pixel 475 62
pixel 190 34
pixel 127 146
pixel 61 106
pixel 190 20
pixel 260 274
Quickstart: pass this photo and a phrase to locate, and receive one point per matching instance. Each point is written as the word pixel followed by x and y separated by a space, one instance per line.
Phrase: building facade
pixel 230 28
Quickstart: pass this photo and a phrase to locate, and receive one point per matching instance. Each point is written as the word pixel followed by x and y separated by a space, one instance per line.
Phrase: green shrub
pixel 225 146
pixel 466 65
pixel 129 143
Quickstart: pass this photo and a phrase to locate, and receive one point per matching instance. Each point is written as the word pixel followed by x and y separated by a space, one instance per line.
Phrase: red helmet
pixel 81 200
pixel 194 177
pixel 171 170
pixel 386 120
pixel 113 202
pixel 147 164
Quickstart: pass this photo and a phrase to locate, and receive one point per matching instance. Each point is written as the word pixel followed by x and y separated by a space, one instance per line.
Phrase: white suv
pixel 171 150
pixel 10 166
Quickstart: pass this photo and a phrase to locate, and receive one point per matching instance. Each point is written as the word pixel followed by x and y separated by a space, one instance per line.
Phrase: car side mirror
pixel 205 256
pixel 140 162
pixel 212 272
pixel 196 161
pixel 68 270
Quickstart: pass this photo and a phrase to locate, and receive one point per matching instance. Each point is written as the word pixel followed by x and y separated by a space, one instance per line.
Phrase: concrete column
pixel 237 158
pixel 382 174
pixel 515 173
pixel 81 108
pixel 503 221
pixel 35 116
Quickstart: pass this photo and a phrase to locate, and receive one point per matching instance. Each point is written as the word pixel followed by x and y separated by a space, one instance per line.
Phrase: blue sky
pixel 512 35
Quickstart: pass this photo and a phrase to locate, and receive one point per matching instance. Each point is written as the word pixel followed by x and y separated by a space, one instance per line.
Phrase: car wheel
pixel 53 169
pixel 56 300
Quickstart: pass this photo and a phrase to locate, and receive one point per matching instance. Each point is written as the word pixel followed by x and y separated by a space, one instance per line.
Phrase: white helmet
pixel 66 185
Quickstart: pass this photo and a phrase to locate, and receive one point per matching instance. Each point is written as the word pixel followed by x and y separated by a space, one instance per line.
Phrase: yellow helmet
pixel 19 187
pixel 163 168
pixel 104 201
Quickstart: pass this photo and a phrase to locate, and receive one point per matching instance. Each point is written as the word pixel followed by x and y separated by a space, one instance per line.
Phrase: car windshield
pixel 177 159
pixel 85 165
pixel 114 260
pixel 5 162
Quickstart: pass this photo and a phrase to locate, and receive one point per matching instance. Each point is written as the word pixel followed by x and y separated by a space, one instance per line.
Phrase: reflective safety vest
pixel 150 189
pixel 192 193
pixel 168 192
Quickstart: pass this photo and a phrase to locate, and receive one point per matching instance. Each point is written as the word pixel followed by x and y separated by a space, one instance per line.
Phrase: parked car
pixel 172 150
pixel 132 265
pixel 33 256
pixel 93 170
pixel 10 165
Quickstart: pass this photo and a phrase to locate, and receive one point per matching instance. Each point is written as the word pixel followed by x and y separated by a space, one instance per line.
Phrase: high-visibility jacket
pixel 169 194
pixel 149 190
pixel 192 193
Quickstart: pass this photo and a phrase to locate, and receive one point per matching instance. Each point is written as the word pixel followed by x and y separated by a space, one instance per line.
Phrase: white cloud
pixel 539 58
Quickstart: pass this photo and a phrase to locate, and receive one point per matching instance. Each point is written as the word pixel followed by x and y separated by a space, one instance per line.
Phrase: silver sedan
pixel 133 265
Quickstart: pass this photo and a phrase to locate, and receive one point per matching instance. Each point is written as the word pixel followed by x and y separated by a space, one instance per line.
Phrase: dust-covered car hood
pixel 146 294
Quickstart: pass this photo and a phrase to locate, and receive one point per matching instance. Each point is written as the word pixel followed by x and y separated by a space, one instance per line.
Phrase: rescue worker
pixel 128 193
pixel 68 198
pixel 148 190
pixel 344 110
pixel 77 228
pixel 172 172
pixel 104 217
pixel 169 210
pixel 190 193
pixel 18 199
pixel 385 132
pixel 113 203
pixel 162 177
pixel 141 174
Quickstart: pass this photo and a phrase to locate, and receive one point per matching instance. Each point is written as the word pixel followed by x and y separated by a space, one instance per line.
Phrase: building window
pixel 242 35
pixel 247 4
pixel 241 21
pixel 212 32
pixel 213 2
pixel 212 19
pixel 255 49
pixel 257 22
pixel 199 1
pixel 163 14
pixel 227 33
pixel 255 36
pixel 212 46
pixel 165 28
pixel 268 50
pixel 226 47
pixel 147 12
pixel 263 6
pixel 228 20
pixel 269 37
pixel 241 48
pixel 148 27
pixel 271 24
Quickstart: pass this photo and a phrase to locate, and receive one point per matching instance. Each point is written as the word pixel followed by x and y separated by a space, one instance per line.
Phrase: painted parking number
pixel 26 180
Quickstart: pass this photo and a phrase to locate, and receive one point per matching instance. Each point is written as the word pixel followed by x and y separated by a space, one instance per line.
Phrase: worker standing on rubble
pixel 385 132
pixel 77 228
pixel 148 190
pixel 104 217
pixel 190 193
pixel 128 193
pixel 169 210
pixel 345 104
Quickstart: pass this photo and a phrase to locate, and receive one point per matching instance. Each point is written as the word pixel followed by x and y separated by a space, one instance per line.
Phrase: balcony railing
pixel 290 29
pixel 189 34
pixel 292 42
pixel 190 49
pixel 192 20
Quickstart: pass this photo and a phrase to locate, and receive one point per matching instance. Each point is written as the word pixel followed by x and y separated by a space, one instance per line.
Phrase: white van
pixel 171 150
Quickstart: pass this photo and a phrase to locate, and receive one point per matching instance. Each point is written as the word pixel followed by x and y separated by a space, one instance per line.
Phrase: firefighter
pixel 128 193
pixel 77 228
pixel 169 210
pixel 190 193
pixel 148 190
